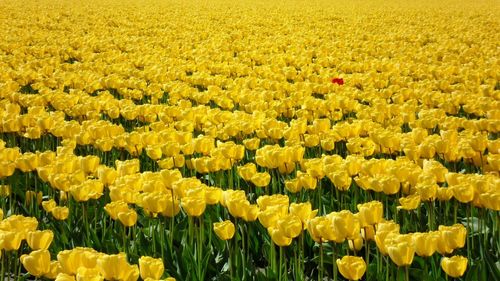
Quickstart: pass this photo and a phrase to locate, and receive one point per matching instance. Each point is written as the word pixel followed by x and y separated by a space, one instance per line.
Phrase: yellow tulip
pixel 351 267
pixel 88 274
pixel 267 201
pixel 490 200
pixel 150 267
pixel 464 193
pixel 71 260
pixel 49 205
pixel 290 225
pixel 368 232
pixel 37 263
pixel 65 277
pixel 356 244
pixel 55 268
pixel 39 239
pixel 303 211
pixel 444 193
pixel 247 171
pixel 270 216
pixel 116 267
pixel 194 207
pixel 411 202
pixel 384 231
pixel 32 196
pixel 250 212
pixel 345 224
pixel 116 207
pixel 341 180
pixel 455 266
pixel 401 253
pixel 251 144
pixel 224 230
pixel 128 218
pixel 10 240
pixel 426 191
pixel 425 244
pixel 279 238
pixel 451 237
pixel 370 213
pixel 261 179
pixel 293 185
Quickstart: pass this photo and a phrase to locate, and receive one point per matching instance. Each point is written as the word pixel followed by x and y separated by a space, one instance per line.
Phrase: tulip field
pixel 250 140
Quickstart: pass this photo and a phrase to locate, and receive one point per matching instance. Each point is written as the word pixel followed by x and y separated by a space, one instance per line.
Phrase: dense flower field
pixel 249 140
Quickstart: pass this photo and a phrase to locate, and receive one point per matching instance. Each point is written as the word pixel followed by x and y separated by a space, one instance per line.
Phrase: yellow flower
pixel 370 213
pixel 425 243
pixel 303 211
pixel 444 193
pixel 293 185
pixel 452 237
pixel 251 144
pixel 32 196
pixel 71 260
pixel 37 263
pixel 368 232
pixel 290 225
pixel 306 180
pixel 224 230
pixel 154 151
pixel 88 274
pixel 128 218
pixel 270 216
pixel 427 191
pixel 356 244
pixel 193 206
pixel 49 205
pixel 150 267
pixel 279 238
pixel 384 231
pixel 250 212
pixel 401 252
pixel 64 277
pixel 344 224
pixel 115 207
pixel 340 179
pixel 10 240
pixel 455 266
pixel 351 267
pixel 490 200
pixel 247 171
pixel 39 239
pixel 267 201
pixel 410 202
pixel 213 195
pixel 464 192
pixel 261 179
pixel 90 164
pixel 116 267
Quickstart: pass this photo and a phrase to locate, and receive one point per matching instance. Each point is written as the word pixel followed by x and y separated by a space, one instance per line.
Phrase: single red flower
pixel 338 81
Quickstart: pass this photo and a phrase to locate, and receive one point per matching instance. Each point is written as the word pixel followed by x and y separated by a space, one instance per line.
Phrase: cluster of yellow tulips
pixel 181 140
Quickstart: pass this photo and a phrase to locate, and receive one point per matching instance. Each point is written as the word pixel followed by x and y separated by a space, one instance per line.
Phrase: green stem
pixel 320 275
pixel 200 248
pixel 407 273
pixel 455 211
pixel 229 247
pixel 280 271
pixel 124 238
pixel 334 261
pixel 387 269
